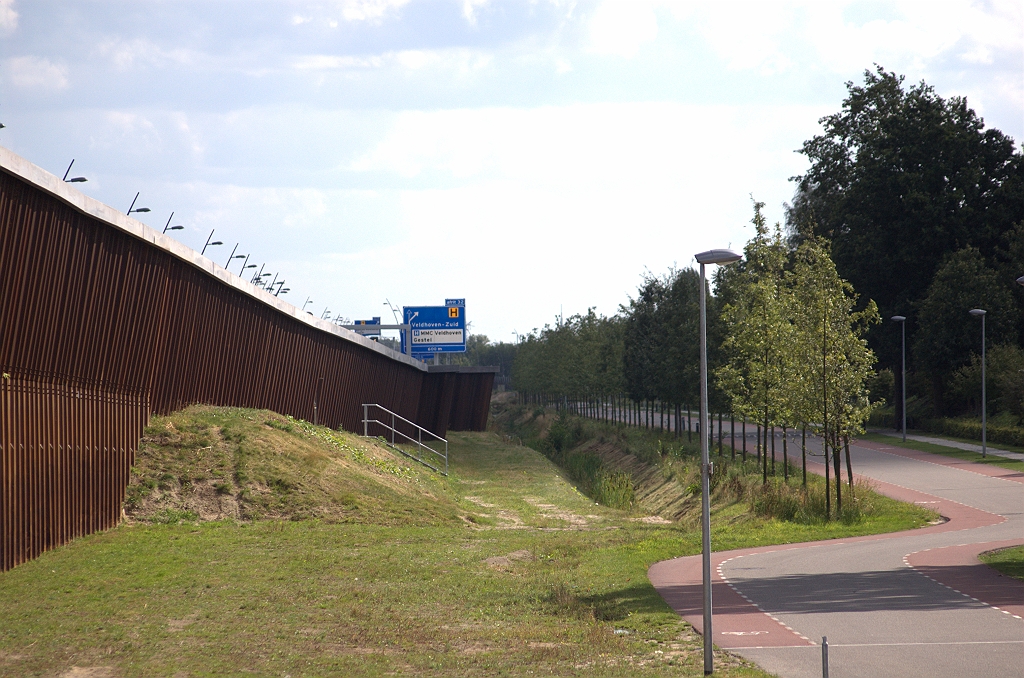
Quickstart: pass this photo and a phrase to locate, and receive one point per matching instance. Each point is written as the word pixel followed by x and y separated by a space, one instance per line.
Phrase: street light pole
pixel 210 244
pixel 168 227
pixel 976 312
pixel 132 208
pixel 721 257
pixel 902 320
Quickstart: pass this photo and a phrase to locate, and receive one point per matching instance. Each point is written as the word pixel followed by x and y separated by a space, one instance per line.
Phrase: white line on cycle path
pixel 882 617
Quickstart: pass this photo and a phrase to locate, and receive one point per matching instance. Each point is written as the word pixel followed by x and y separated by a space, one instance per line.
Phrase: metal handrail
pixel 420 445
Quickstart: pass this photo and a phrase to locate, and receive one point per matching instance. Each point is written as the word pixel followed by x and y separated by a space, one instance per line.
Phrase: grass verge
pixel 665 475
pixel 964 455
pixel 1008 561
pixel 342 560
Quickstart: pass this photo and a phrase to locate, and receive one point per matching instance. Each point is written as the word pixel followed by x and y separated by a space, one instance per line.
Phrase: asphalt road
pixel 914 603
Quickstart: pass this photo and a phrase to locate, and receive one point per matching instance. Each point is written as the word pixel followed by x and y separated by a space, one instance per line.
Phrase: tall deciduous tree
pixel 662 335
pixel 760 332
pixel 580 356
pixel 948 335
pixel 899 178
pixel 834 359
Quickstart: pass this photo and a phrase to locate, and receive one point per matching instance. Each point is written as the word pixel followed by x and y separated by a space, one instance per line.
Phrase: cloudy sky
pixel 534 157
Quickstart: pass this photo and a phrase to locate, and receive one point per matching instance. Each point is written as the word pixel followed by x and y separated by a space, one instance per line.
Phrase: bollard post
pixel 824 657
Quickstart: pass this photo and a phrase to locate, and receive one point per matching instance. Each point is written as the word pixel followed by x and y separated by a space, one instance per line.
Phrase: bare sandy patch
pixel 89 672
pixel 505 561
pixel 554 512
pixel 175 625
pixel 653 520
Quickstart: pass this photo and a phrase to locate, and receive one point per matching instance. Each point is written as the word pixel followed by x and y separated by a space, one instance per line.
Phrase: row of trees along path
pixel 679 421
pixel 785 342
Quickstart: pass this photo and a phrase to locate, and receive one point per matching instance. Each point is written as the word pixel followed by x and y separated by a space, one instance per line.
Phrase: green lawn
pixel 1008 561
pixel 965 455
pixel 529 578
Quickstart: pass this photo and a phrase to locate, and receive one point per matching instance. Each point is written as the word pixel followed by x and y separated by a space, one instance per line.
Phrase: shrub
pixel 775 500
pixel 615 490
pixel 971 429
pixel 882 387
pixel 565 433
pixel 779 500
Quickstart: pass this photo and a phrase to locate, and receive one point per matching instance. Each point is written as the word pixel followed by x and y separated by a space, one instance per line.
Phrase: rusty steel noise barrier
pixel 394 443
pixel 105 322
pixel 66 450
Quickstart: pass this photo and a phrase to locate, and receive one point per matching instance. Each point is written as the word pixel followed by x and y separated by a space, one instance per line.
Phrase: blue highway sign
pixel 367 329
pixel 436 329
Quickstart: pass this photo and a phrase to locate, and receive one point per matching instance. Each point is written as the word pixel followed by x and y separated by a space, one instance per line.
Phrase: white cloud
pixel 469 9
pixel 910 40
pixel 278 222
pixel 126 130
pixel 139 53
pixel 748 36
pixel 845 36
pixel 622 27
pixel 978 54
pixel 369 10
pixel 35 73
pixel 194 139
pixel 328 62
pixel 640 146
pixel 8 17
pixel 460 61
pixel 417 59
pixel 614 188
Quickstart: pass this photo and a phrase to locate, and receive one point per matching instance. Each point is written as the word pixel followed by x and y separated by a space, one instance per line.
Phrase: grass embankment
pixel 262 545
pixel 664 474
pixel 945 451
pixel 1008 561
pixel 216 463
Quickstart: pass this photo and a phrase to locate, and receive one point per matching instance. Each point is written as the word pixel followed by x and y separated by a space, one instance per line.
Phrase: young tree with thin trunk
pixel 758 315
pixel 834 358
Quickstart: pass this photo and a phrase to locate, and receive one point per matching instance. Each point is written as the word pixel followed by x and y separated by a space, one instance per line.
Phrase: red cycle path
pixel 740 623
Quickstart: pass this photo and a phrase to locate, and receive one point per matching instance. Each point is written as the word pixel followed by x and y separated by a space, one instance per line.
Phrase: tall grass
pixel 732 480
pixel 586 468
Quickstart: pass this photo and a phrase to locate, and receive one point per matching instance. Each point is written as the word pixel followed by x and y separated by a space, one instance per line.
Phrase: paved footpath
pixel 945 442
pixel 914 603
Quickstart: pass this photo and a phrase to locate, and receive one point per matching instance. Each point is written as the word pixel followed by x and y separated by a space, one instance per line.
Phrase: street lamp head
pixel 1020 280
pixel 215 242
pixel 977 312
pixel 139 209
pixel 720 257
pixel 72 180
pixel 175 228
pixel 898 318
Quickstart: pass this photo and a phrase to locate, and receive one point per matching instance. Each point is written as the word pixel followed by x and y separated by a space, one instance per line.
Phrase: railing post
pixel 420 446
